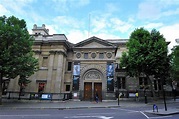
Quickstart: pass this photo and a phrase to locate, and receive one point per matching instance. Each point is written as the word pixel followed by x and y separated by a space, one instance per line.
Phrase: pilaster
pixel 59 73
pixel 63 76
pixel 50 71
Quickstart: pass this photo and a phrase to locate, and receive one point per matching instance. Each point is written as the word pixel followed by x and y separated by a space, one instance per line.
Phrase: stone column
pixel 50 71
pixel 59 72
pixel 63 76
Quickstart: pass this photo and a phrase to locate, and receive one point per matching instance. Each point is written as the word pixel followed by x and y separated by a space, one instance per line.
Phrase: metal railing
pixel 37 96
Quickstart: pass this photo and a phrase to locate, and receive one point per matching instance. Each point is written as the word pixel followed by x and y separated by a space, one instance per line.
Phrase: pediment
pixel 94 42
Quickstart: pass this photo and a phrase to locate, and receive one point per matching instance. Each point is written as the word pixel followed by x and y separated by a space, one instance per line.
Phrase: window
pixel 85 55
pixel 69 66
pixel 41 87
pixel 67 87
pixel 121 82
pixel 157 85
pixel 101 55
pixel 143 82
pixel 44 61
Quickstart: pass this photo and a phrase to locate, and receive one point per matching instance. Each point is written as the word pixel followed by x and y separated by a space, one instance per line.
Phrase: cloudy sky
pixel 106 19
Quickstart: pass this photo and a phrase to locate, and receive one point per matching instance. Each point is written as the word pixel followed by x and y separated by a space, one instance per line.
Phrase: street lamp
pixel 118 92
pixel 163 88
pixel 117 70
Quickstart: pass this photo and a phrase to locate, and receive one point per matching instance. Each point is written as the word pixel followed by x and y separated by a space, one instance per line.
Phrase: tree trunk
pixel 20 91
pixel 0 88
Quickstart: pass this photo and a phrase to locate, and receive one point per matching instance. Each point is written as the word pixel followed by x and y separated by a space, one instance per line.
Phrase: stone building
pixel 83 69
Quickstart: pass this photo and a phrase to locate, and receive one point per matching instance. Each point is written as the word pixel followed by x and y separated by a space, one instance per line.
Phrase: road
pixel 88 113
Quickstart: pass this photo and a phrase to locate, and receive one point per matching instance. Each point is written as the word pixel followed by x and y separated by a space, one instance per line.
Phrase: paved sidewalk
pixel 170 111
pixel 71 104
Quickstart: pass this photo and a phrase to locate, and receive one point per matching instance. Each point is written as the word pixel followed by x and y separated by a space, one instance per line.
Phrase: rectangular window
pixel 140 81
pixel 157 85
pixel 69 66
pixel 41 87
pixel 101 55
pixel 45 62
pixel 85 55
pixel 143 81
pixel 121 82
pixel 67 87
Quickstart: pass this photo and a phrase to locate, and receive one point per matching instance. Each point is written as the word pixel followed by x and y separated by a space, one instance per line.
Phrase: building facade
pixel 83 69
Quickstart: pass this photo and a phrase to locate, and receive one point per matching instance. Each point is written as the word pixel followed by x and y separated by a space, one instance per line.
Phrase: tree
pixel 15 50
pixel 28 66
pixel 175 63
pixel 147 55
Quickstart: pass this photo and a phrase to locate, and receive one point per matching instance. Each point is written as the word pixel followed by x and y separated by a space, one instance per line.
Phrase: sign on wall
pixel 110 76
pixel 110 69
pixel 76 75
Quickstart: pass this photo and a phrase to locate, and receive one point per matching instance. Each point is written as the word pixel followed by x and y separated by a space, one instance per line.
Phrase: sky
pixel 106 19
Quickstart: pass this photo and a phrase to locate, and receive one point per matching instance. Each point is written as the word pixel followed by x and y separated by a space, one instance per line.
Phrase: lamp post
pixel 118 92
pixel 117 70
pixel 163 88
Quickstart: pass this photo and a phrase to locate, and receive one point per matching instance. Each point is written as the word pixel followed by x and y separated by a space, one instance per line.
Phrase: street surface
pixel 87 113
pixel 87 110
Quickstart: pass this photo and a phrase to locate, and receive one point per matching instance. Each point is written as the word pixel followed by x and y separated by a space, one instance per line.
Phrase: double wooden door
pixel 89 92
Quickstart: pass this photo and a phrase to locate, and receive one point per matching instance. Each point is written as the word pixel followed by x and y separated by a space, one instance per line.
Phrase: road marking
pixel 144 114
pixel 99 117
pixel 154 117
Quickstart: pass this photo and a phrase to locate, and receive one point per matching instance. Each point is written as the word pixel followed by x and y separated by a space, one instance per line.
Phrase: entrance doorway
pixel 90 91
pixel 98 90
pixel 87 91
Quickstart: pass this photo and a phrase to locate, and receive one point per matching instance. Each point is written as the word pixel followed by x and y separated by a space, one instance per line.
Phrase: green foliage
pixel 147 54
pixel 23 81
pixel 15 49
pixel 175 63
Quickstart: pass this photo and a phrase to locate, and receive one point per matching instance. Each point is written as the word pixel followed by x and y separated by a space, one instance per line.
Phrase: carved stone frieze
pixel 93 55
pixel 109 55
pixel 78 55
pixel 95 67
pixel 92 75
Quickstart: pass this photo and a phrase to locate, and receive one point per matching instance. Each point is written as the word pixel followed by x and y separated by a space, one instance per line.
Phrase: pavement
pixel 76 104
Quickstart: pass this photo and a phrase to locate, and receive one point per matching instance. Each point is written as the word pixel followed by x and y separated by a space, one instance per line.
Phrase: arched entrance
pixel 92 84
